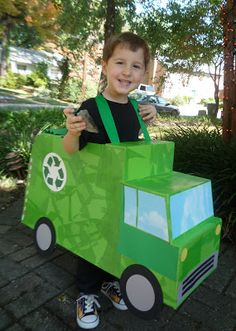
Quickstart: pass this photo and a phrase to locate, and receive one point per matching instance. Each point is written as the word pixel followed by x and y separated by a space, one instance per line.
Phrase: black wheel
pixel 44 236
pixel 141 292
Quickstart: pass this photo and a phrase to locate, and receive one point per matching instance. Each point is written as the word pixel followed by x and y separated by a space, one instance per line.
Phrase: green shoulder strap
pixel 107 118
pixel 141 122
pixel 108 121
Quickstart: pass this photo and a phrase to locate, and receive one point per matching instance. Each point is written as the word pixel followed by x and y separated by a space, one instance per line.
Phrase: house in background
pixel 195 87
pixel 23 61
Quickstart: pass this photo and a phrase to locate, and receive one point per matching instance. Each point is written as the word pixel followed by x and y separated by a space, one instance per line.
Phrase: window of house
pixel 21 68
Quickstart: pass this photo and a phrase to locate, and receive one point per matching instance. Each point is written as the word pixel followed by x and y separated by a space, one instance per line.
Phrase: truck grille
pixel 197 275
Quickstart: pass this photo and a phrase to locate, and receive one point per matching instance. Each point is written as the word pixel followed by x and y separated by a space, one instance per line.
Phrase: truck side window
pixel 146 212
pixel 152 216
pixel 130 206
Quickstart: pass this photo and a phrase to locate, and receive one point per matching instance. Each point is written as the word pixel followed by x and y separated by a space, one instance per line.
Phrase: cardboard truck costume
pixel 122 207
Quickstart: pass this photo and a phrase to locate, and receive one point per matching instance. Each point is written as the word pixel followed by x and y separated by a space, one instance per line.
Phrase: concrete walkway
pixel 39 294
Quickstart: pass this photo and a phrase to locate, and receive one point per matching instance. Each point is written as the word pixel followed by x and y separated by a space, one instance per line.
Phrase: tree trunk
pixel 109 26
pixel 228 15
pixel 64 67
pixel 216 76
pixel 5 51
pixel 109 30
pixel 83 88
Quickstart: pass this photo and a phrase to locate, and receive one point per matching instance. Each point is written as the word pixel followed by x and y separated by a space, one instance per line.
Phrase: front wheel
pixel 44 236
pixel 141 292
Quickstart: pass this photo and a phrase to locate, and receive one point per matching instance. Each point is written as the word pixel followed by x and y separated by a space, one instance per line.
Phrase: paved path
pixel 39 294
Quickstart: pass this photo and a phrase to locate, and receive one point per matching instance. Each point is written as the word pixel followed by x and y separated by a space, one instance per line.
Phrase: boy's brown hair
pixel 129 39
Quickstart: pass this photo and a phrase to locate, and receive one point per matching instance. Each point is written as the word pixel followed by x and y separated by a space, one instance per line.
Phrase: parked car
pixel 146 89
pixel 162 106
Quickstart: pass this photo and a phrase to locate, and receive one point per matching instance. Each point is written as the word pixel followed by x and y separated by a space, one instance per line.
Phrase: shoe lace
pixel 115 286
pixel 89 301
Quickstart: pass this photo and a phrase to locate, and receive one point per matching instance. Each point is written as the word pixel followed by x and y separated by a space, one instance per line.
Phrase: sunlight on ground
pixel 8 184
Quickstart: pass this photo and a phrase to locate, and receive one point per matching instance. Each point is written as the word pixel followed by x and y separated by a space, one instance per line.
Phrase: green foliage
pixel 12 80
pixel 206 101
pixel 39 77
pixel 23 35
pixel 91 89
pixel 82 33
pixel 41 70
pixel 193 34
pixel 19 128
pixel 150 24
pixel 180 100
pixel 200 150
pixel 73 90
pixel 34 80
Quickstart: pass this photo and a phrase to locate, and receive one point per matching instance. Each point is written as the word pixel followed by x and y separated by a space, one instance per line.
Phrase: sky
pixel 160 3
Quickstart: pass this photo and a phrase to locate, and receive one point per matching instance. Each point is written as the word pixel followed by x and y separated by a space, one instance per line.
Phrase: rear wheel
pixel 174 113
pixel 44 236
pixel 141 292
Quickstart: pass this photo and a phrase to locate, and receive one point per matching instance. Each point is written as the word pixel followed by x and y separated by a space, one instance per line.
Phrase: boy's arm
pixel 148 113
pixel 75 125
pixel 70 143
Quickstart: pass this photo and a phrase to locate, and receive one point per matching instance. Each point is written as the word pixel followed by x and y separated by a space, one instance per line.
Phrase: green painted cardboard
pixel 120 205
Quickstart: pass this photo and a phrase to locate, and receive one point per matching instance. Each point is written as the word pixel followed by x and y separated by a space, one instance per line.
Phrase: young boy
pixel 125 60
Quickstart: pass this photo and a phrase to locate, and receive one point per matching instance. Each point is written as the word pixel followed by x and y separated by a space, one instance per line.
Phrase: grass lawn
pixel 26 96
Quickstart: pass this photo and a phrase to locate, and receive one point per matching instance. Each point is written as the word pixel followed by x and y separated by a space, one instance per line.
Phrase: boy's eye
pixel 137 66
pixel 119 62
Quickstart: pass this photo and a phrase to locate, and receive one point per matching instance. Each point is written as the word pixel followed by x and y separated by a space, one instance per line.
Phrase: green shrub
pixel 35 80
pixel 39 77
pixel 73 90
pixel 91 89
pixel 18 130
pixel 201 151
pixel 204 102
pixel 180 100
pixel 12 80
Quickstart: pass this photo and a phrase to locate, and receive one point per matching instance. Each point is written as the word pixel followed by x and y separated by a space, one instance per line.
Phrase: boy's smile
pixel 124 70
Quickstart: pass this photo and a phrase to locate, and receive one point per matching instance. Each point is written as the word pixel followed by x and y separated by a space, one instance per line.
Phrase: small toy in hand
pixel 90 125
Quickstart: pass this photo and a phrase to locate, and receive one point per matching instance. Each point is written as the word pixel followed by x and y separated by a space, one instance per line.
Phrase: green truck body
pixel 123 208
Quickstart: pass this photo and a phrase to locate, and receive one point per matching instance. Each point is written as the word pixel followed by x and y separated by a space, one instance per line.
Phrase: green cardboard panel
pixel 121 204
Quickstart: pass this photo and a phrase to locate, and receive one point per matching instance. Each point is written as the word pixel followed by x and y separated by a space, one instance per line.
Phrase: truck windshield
pixel 189 208
pixel 149 212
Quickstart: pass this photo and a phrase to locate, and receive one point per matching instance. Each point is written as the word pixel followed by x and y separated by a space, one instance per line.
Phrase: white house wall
pixel 29 58
pixel 195 87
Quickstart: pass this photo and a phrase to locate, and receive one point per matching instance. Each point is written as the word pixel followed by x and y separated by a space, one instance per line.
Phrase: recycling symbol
pixel 54 172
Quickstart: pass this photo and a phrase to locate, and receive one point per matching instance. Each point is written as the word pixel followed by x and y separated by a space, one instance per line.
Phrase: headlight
pixel 218 229
pixel 183 254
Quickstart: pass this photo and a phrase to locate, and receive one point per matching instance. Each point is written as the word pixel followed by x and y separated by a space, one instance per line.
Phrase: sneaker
pixel 112 291
pixel 86 313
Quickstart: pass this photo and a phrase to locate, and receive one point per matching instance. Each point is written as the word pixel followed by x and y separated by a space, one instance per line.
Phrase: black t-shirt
pixel 125 119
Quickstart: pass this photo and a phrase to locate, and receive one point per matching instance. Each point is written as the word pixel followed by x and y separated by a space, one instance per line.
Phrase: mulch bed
pixel 7 197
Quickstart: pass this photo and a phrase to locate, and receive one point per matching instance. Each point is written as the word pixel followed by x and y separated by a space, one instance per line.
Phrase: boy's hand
pixel 148 113
pixel 74 124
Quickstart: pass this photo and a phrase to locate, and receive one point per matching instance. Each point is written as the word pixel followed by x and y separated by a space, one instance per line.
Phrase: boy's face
pixel 124 70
